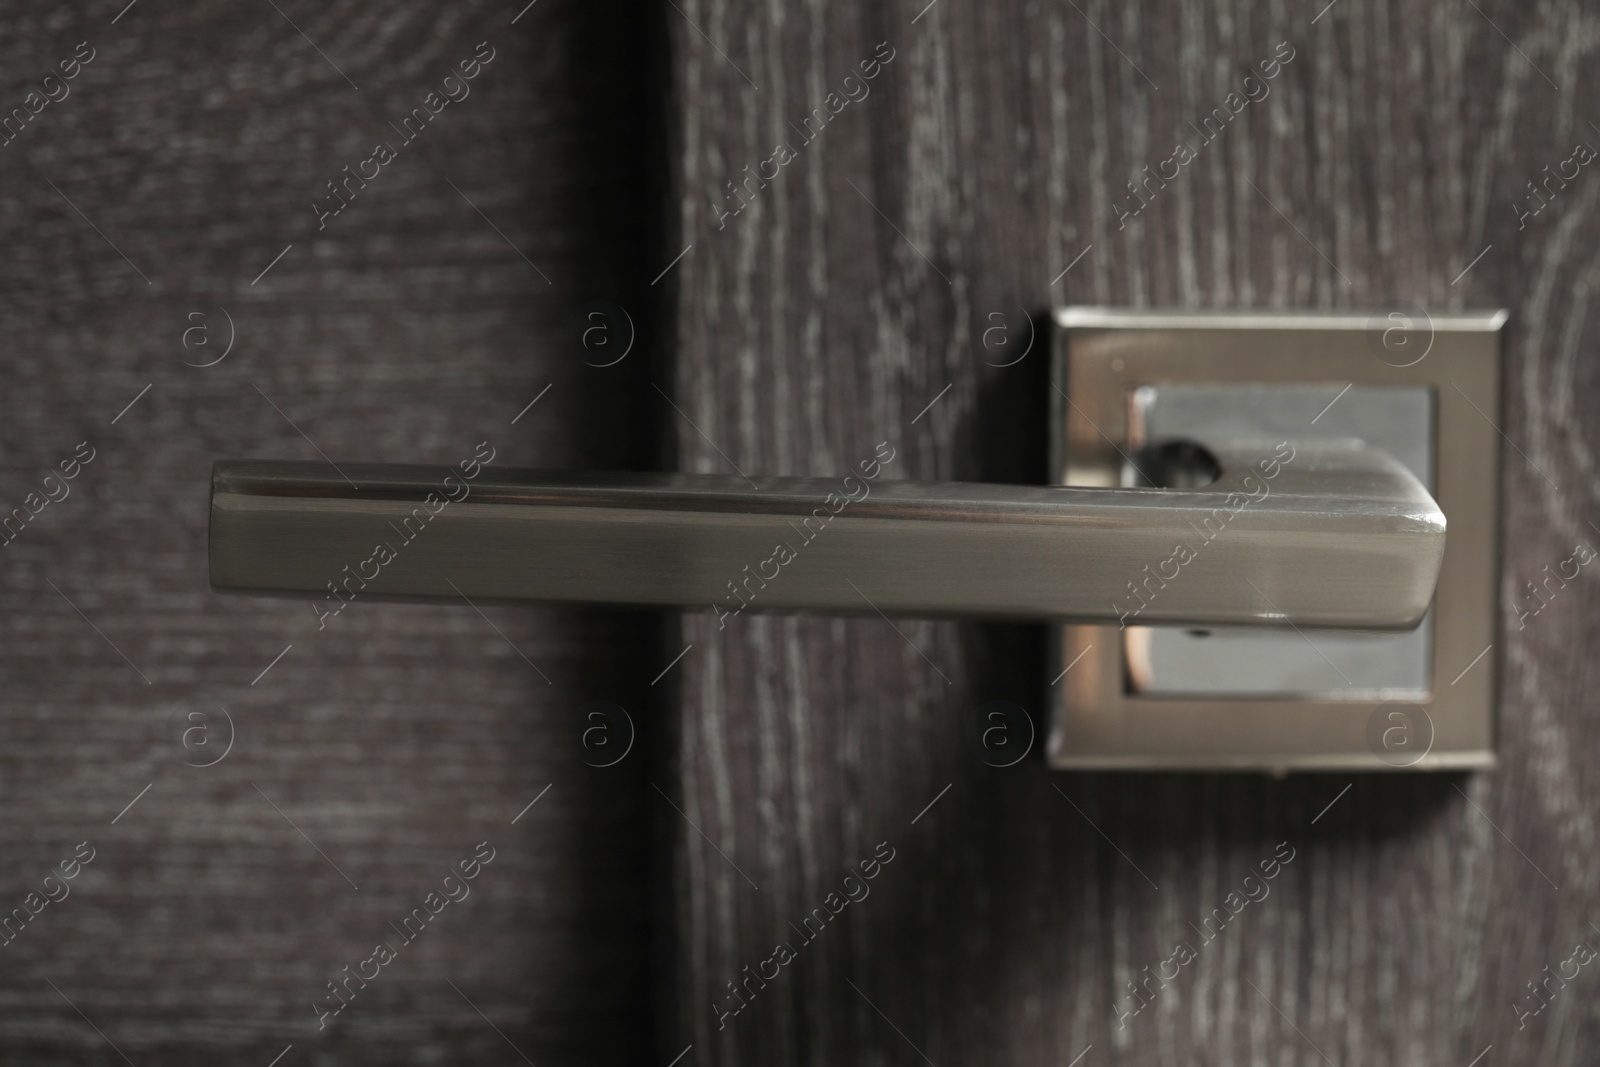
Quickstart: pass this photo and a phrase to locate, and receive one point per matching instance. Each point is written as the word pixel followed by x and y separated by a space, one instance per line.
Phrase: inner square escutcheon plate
pixel 1154 698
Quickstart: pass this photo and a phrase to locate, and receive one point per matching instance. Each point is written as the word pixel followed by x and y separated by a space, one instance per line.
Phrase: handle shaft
pixel 1337 536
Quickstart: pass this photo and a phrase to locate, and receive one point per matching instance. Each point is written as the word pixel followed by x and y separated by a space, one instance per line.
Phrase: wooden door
pixel 411 316
pixel 948 172
pixel 1376 153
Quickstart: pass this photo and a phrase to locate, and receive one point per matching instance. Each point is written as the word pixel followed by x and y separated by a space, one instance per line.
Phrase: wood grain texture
pixel 854 288
pixel 400 736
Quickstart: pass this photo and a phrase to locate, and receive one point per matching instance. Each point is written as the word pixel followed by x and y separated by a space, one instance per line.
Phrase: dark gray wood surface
pixel 824 318
pixel 849 294
pixel 398 738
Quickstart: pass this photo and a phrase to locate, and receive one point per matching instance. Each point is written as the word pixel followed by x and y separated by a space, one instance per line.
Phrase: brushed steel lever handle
pixel 1339 535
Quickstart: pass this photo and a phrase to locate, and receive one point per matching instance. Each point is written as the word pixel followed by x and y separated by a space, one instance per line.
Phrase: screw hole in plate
pixel 1172 464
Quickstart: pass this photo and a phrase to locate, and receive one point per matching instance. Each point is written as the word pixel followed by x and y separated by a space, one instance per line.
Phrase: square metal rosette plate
pixel 1423 387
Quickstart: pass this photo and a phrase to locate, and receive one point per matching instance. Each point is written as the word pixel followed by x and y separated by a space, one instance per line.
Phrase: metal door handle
pixel 1327 535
